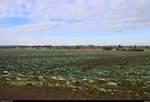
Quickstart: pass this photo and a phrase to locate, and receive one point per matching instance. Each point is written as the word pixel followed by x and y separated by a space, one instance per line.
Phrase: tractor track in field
pixel 87 64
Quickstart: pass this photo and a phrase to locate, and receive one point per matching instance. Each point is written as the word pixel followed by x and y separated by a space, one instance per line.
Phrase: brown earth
pixel 30 92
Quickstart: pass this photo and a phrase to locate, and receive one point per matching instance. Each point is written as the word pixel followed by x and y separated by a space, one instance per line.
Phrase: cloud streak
pixel 96 14
pixel 19 18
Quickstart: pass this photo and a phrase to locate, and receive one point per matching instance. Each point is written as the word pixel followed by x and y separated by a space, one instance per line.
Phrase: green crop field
pixel 105 72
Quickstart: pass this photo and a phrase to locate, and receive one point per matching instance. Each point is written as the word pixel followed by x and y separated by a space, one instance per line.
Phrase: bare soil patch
pixel 8 92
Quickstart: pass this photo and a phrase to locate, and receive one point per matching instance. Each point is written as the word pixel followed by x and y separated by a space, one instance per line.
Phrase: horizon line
pixel 73 45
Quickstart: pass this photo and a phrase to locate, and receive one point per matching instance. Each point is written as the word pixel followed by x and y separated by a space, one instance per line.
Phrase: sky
pixel 74 22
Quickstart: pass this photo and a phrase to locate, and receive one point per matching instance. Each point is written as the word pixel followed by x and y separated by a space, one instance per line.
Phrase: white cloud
pixel 101 14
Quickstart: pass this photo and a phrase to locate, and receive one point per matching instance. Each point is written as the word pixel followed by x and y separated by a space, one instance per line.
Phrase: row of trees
pixel 77 47
pixel 119 47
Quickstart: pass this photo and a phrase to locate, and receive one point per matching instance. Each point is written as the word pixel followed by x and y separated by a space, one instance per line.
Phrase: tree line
pixel 78 47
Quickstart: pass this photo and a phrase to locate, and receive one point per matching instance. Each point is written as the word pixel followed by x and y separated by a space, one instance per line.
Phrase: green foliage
pixel 77 68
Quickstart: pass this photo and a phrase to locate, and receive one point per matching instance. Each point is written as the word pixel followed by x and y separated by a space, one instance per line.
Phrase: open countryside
pixel 74 73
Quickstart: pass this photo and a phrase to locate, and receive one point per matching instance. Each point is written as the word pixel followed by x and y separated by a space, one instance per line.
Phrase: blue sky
pixel 74 22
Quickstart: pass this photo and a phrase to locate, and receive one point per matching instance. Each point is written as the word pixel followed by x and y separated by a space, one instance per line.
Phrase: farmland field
pixel 79 74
